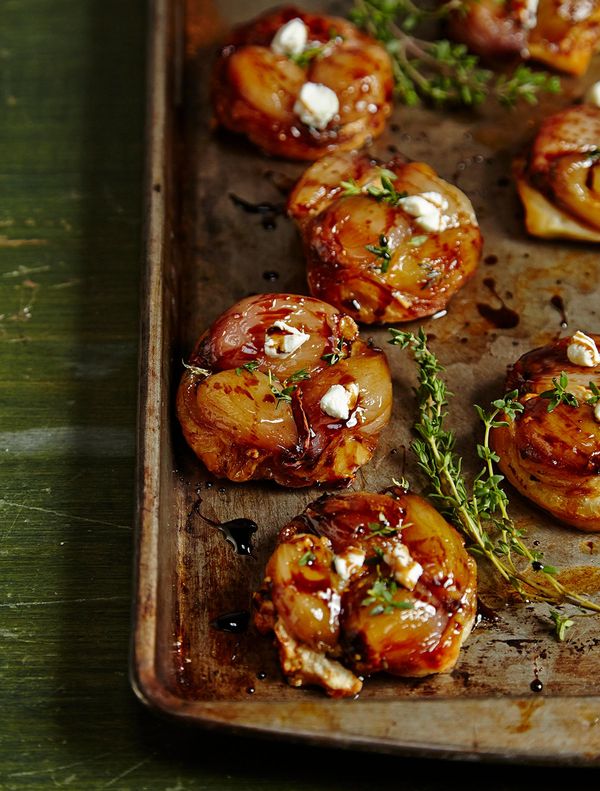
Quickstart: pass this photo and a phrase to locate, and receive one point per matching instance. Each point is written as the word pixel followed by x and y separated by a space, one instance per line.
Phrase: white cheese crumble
pixel 597 412
pixel 291 38
pixel 349 562
pixel 592 95
pixel 575 10
pixel 339 401
pixel 428 210
pixel 284 343
pixel 583 351
pixel 529 14
pixel 406 570
pixel 316 105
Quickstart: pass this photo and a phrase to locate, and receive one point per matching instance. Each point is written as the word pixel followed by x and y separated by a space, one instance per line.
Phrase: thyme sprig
pixel 381 252
pixel 337 354
pixel 284 393
pixel 440 71
pixel 559 393
pixel 381 594
pixel 386 192
pixel 595 397
pixel 250 366
pixel 481 514
pixel 382 529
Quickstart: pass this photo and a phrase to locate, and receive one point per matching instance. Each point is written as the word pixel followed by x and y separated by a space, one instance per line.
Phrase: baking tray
pixel 203 253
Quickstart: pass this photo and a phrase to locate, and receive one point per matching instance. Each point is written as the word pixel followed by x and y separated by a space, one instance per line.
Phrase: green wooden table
pixel 72 98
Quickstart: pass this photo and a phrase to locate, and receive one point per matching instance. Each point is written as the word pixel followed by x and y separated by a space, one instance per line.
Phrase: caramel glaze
pixel 553 458
pixel 234 422
pixel 326 614
pixel 254 89
pixel 425 268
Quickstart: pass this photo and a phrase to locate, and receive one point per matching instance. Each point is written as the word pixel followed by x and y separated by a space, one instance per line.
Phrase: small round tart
pixel 384 242
pixel 362 583
pixel 281 387
pixel 559 181
pixel 300 85
pixel 551 451
pixel 562 35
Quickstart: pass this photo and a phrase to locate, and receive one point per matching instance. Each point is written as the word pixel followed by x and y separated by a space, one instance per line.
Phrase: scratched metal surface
pixel 222 253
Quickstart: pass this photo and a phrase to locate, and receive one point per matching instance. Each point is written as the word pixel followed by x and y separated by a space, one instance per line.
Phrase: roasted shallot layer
pixel 362 583
pixel 551 452
pixel 300 85
pixel 562 34
pixel 384 242
pixel 559 181
pixel 281 387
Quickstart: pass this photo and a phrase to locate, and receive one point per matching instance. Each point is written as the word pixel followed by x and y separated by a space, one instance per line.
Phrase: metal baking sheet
pixel 203 253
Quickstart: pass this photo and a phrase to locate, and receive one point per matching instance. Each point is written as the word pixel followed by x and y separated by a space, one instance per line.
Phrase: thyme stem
pixel 481 515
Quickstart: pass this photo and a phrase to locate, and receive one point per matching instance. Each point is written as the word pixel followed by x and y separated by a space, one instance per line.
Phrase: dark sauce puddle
pixel 234 622
pixel 237 532
pixel 503 318
pixel 269 212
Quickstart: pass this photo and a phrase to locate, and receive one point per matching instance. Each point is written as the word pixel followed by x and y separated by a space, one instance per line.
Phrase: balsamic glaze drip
pixel 557 302
pixel 268 211
pixel 503 317
pixel 237 532
pixel 490 260
pixel 281 181
pixel 235 622
pixel 536 685
pixel 485 613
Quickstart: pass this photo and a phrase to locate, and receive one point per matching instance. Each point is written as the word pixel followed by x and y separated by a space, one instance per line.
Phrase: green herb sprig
pixel 559 393
pixel 386 193
pixel 284 393
pixel 337 354
pixel 381 594
pixel 249 366
pixel 307 558
pixel 381 252
pixel 439 71
pixel 482 513
pixel 382 529
pixel 595 397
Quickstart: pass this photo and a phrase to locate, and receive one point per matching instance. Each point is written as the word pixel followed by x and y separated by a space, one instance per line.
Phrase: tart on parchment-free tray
pixel 365 583
pixel 300 85
pixel 282 387
pixel 551 451
pixel 384 241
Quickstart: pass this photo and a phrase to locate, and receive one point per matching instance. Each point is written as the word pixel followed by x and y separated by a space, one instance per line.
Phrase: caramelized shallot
pixel 562 34
pixel 559 181
pixel 384 254
pixel 281 387
pixel 551 451
pixel 300 85
pixel 362 583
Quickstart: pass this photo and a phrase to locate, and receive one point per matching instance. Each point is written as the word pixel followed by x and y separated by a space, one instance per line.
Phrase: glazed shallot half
pixel 363 583
pixel 562 34
pixel 281 387
pixel 300 85
pixel 551 451
pixel 559 180
pixel 385 242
